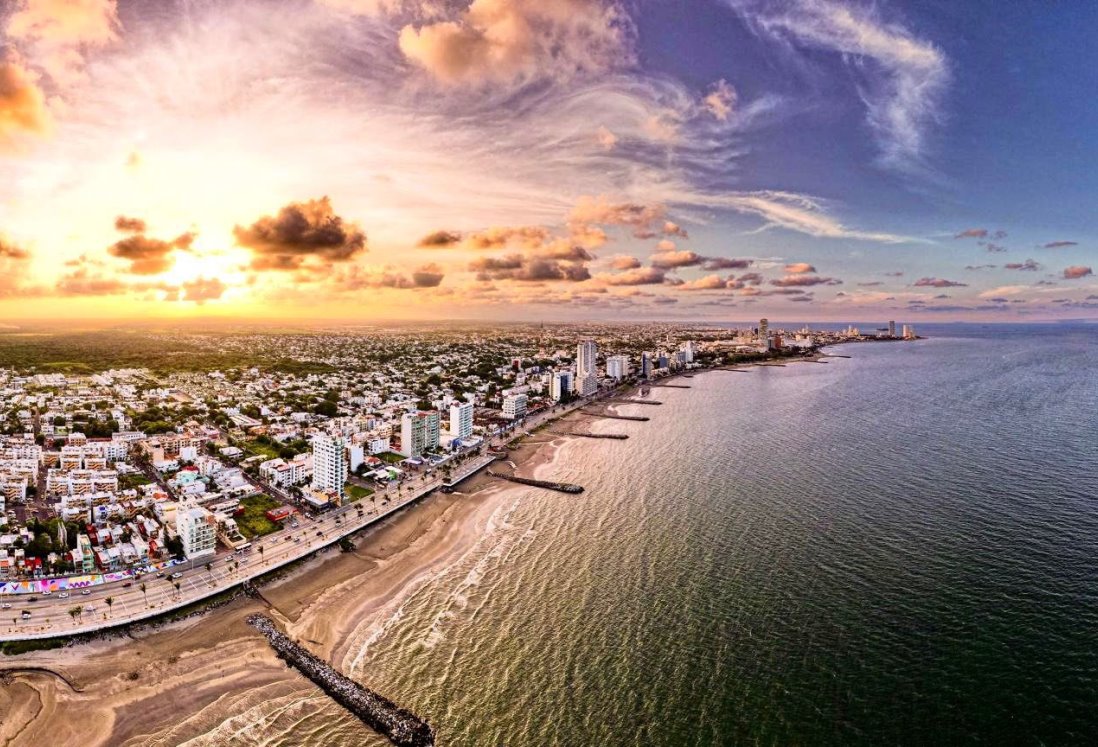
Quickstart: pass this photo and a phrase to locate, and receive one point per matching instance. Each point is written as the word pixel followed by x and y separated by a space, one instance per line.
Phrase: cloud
pixel 797 281
pixel 938 283
pixel 624 262
pixel 148 256
pixel 872 284
pixel 606 139
pixel 202 289
pixel 439 240
pixel 60 31
pixel 751 278
pixel 980 267
pixel 638 276
pixel 1077 271
pixel 356 278
pixel 993 247
pixel 22 104
pixel 527 269
pixel 902 77
pixel 301 231
pixel 798 268
pixel 646 221
pixel 9 251
pixel 720 100
pixel 1029 265
pixel 82 283
pixel 129 225
pixel 675 260
pixel 725 263
pixel 1059 244
pixel 670 228
pixel 798 213
pixel 529 237
pixel 515 40
pixel 972 233
pixel 708 282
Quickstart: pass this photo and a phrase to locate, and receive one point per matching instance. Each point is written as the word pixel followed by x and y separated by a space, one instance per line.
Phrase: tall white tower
pixel 587 380
pixel 329 464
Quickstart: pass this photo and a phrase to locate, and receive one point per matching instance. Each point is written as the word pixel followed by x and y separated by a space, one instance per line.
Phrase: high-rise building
pixel 461 419
pixel 617 366
pixel 197 529
pixel 892 329
pixel 559 385
pixel 646 365
pixel 329 464
pixel 764 330
pixel 587 379
pixel 418 432
pixel 514 406
pixel 688 350
pixel 909 332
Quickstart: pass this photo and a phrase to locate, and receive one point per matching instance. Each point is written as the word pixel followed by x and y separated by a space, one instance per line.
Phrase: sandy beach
pixel 177 682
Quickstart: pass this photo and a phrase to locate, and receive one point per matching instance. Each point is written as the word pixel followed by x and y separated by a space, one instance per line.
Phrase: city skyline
pixel 546 160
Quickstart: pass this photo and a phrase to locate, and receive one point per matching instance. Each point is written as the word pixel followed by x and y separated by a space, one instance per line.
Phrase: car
pixel 160 574
pixel 63 595
pixel 319 533
pixel 5 606
pixel 85 592
pixel 46 593
pixel 32 599
pixel 127 585
pixel 24 614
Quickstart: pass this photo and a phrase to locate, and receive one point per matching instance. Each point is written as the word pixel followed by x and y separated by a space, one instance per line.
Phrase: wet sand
pixel 177 682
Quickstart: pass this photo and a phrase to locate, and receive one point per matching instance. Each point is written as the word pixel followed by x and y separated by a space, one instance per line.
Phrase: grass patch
pixel 131 482
pixel 391 457
pixel 254 448
pixel 14 648
pixel 356 492
pixel 254 522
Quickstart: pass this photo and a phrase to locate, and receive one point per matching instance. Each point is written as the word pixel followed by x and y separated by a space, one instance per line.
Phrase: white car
pixel 64 595
pixel 5 606
pixel 85 592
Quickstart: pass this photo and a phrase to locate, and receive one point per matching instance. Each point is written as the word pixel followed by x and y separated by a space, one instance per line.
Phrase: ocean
pixel 896 548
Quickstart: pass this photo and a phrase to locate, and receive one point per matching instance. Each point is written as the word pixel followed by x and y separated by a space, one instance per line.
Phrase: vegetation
pixel 356 493
pixel 253 522
pixel 391 457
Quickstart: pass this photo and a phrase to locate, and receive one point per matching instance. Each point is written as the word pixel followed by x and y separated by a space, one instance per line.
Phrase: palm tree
pixel 177 586
pixel 261 554
pixel 109 601
pixel 75 612
pixel 209 567
pixel 143 592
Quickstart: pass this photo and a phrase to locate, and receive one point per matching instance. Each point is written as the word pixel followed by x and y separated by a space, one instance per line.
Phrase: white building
pixel 419 432
pixel 909 332
pixel 617 367
pixel 560 384
pixel 197 529
pixel 587 380
pixel 329 464
pixel 688 351
pixel 514 406
pixel 461 420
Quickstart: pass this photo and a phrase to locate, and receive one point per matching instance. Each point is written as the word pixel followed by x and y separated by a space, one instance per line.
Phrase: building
pixel 764 331
pixel 909 332
pixel 514 406
pixel 461 419
pixel 587 379
pixel 892 329
pixel 560 385
pixel 646 365
pixel 617 367
pixel 329 464
pixel 688 351
pixel 197 529
pixel 419 433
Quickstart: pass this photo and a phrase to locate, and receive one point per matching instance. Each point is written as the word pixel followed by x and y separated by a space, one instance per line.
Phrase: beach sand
pixel 179 681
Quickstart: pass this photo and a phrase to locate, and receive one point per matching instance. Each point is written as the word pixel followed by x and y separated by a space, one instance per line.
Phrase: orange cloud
pixel 22 104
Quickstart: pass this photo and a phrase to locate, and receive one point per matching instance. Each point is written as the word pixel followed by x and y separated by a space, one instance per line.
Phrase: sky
pixel 548 159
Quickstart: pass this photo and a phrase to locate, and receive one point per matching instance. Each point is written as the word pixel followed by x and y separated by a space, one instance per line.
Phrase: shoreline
pixel 183 679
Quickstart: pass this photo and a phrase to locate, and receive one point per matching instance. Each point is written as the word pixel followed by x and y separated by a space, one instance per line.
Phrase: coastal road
pixel 50 614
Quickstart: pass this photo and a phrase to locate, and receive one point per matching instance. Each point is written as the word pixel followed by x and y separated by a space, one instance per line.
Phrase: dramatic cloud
pixel 301 232
pixel 356 278
pixel 512 40
pixel 638 276
pixel 527 269
pixel 148 256
pixel 674 260
pixel 903 77
pixel 972 233
pixel 1029 265
pixel 720 100
pixel 1077 271
pixel 796 281
pixel 9 251
pixel 22 103
pixel 82 283
pixel 708 282
pixel 439 240
pixel 1059 244
pixel 798 268
pixel 938 283
pixel 60 31
pixel 129 225
pixel 527 237
pixel 645 221
pixel 624 262
pixel 202 289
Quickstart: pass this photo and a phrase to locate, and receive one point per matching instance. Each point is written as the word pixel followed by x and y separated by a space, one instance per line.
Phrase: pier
pixel 629 401
pixel 637 418
pixel 616 436
pixel 560 487
pixel 672 386
pixel 401 726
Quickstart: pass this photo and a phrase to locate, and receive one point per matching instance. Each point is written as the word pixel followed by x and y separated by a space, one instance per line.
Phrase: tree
pixel 75 612
pixel 109 601
pixel 144 592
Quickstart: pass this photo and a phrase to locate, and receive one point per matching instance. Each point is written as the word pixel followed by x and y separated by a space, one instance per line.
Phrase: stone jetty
pixel 560 487
pixel 615 436
pixel 402 727
pixel 629 401
pixel 637 418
